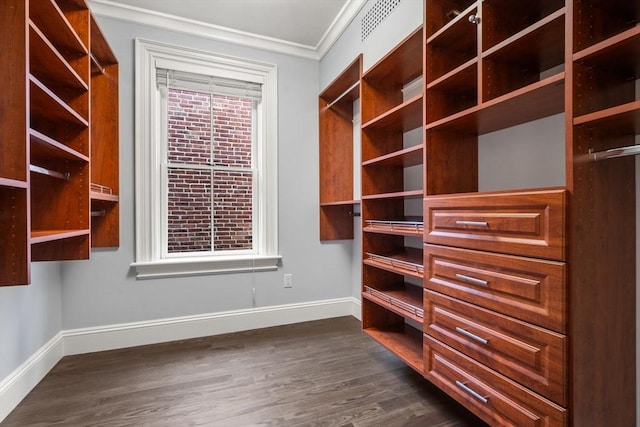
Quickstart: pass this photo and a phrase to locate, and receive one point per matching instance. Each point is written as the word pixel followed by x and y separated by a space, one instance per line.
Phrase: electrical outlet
pixel 288 280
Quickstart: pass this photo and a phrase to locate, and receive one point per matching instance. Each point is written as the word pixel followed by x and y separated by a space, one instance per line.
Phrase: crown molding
pixel 118 11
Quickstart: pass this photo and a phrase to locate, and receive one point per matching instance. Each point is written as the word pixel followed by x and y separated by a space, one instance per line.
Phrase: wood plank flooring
pixel 322 373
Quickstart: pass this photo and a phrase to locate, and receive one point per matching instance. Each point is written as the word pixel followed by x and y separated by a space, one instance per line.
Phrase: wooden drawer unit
pixel 533 356
pixel 493 397
pixel 529 289
pixel 529 223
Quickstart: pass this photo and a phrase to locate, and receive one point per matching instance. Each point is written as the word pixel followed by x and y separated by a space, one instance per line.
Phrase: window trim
pixel 149 261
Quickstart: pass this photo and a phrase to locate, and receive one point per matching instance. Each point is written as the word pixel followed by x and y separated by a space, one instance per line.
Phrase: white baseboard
pixel 86 340
pixel 21 381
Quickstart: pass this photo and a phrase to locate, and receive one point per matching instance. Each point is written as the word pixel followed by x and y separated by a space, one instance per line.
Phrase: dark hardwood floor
pixel 323 373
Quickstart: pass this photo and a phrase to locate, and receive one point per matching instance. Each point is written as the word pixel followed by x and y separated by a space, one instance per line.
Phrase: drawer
pixel 530 355
pixel 530 223
pixel 525 288
pixel 493 397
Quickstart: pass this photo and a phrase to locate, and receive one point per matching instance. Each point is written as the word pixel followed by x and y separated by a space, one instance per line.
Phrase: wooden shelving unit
pixel 528 307
pixel 49 138
pixel 336 118
pixel 603 111
pixel 392 268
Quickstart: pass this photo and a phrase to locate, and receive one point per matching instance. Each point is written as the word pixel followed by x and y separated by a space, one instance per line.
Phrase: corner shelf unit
pixel 47 136
pixel 336 118
pixel 528 305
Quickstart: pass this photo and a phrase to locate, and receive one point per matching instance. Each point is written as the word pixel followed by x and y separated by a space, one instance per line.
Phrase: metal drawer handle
pixel 472 392
pixel 472 280
pixel 473 223
pixel 472 336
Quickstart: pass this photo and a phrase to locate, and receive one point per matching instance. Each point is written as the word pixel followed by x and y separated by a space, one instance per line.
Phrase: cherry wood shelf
pixel 48 64
pixel 336 115
pixel 544 98
pixel 405 261
pixel 402 118
pixel 403 299
pixel 61 135
pixel 46 14
pixel 410 156
pixel 404 343
pixel 440 14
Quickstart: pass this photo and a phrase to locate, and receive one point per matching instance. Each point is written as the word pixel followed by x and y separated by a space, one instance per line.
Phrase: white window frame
pixel 150 220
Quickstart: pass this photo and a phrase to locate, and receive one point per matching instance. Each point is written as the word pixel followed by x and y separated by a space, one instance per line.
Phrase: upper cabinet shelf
pixel 382 84
pixel 598 20
pixel 337 115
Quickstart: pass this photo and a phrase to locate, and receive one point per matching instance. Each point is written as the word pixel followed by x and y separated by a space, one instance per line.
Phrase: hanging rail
pixel 44 171
pixel 631 150
pixel 343 94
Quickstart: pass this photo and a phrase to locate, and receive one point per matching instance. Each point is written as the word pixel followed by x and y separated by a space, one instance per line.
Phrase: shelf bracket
pixel 630 150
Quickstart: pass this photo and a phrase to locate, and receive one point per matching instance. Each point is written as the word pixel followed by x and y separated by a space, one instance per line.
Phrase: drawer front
pixel 525 288
pixel 524 223
pixel 530 355
pixel 491 396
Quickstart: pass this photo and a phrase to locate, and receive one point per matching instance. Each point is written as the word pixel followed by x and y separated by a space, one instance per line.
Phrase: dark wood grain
pixel 323 373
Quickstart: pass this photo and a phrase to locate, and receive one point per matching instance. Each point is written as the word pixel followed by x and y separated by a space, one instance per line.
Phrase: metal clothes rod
pixel 97 63
pixel 631 150
pixel 99 213
pixel 343 94
pixel 44 171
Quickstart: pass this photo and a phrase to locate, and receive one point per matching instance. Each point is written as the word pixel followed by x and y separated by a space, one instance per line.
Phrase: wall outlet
pixel 288 280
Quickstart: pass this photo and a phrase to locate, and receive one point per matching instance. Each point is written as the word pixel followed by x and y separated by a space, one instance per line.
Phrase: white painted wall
pixel 104 291
pixel 29 316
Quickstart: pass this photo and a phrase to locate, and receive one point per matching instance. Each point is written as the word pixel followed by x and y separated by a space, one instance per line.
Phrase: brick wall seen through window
pixel 209 210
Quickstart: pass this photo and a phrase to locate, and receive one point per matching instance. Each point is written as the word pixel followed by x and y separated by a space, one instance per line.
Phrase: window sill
pixel 204 266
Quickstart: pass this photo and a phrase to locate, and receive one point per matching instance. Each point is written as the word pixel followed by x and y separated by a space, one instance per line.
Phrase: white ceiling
pixel 299 22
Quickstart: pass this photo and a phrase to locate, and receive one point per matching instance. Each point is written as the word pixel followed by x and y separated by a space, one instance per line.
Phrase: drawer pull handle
pixel 472 336
pixel 472 392
pixel 472 280
pixel 473 223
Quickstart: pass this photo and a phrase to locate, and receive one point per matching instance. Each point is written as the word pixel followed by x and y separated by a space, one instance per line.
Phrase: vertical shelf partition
pixel 336 118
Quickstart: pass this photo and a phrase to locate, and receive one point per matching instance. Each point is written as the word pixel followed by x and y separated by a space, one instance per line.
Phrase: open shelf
pixel 382 84
pixel 336 149
pixel 405 227
pixel 610 69
pixel 50 18
pixel 406 261
pixel 504 18
pixel 442 13
pixel 598 20
pixel 452 46
pixel 402 118
pixel 402 299
pixel 411 156
pixel 454 92
pixel 46 105
pixel 395 332
pixel 525 58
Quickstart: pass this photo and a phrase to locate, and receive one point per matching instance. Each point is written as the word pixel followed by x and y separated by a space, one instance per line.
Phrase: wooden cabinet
pixel 392 270
pixel 47 132
pixel 336 120
pixel 498 305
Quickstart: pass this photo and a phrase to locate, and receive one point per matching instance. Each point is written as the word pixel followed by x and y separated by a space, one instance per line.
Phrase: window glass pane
pixel 189 210
pixel 232 131
pixel 233 204
pixel 189 127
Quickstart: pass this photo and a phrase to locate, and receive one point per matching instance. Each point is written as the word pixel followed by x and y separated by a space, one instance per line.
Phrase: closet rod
pixel 631 150
pixel 44 171
pixel 343 94
pixel 99 213
pixel 97 63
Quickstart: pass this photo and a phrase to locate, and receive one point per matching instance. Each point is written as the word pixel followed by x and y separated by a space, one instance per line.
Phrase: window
pixel 206 163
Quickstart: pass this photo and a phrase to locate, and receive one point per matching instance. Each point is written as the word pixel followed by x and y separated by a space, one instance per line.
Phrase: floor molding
pixel 86 340
pixel 23 379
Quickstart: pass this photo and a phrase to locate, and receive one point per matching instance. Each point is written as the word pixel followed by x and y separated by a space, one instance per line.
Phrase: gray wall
pixel 104 291
pixel 29 316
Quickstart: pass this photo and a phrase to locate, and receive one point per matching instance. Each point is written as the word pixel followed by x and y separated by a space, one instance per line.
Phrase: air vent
pixel 376 15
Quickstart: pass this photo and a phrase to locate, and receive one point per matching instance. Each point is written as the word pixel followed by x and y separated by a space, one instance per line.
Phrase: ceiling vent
pixel 375 16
